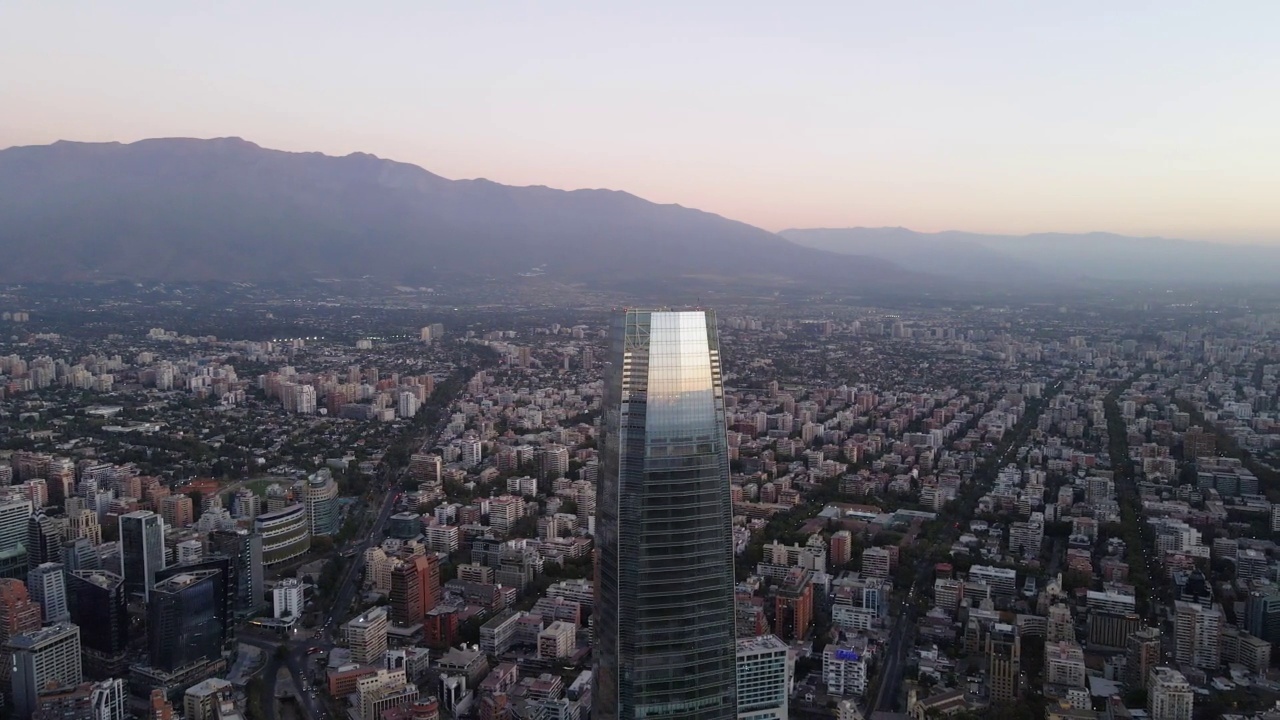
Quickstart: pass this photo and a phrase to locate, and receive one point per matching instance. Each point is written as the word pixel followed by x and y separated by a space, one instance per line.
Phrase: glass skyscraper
pixel 664 622
pixel 141 551
pixel 186 620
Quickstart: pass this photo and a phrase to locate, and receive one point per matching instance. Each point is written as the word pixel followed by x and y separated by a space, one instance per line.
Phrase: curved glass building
pixel 320 495
pixel 664 622
pixel 285 534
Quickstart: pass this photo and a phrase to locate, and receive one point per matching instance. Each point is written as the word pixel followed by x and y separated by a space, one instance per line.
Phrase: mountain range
pixel 227 209
pixel 1060 259
pixel 177 209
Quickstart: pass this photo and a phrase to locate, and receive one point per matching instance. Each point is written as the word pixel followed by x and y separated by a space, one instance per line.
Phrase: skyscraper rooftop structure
pixel 665 636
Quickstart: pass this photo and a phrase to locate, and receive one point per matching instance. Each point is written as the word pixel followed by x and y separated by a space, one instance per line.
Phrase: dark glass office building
pixel 141 551
pixel 186 620
pixel 99 605
pixel 245 550
pixel 44 540
pixel 664 622
pixel 225 582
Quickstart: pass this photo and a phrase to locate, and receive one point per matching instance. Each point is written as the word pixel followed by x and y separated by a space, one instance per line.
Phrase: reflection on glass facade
pixel 141 551
pixel 665 645
pixel 99 605
pixel 184 620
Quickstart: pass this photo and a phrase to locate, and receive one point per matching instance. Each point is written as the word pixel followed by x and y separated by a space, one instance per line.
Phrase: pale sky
pixel 1152 118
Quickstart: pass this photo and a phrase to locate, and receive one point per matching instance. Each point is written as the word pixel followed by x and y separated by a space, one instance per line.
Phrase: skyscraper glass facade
pixel 186 621
pixel 321 498
pixel 665 644
pixel 141 551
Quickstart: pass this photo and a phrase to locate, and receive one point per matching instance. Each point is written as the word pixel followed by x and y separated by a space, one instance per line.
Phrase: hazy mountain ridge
pixel 1053 257
pixel 227 209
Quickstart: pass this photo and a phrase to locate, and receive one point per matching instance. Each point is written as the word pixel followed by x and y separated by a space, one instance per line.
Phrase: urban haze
pixel 817 362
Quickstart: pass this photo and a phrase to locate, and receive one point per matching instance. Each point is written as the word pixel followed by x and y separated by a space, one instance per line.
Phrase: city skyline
pixel 862 495
pixel 1015 120
pixel 582 361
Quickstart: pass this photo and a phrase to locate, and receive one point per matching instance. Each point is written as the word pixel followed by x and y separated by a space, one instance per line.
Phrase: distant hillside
pixel 1053 257
pixel 226 209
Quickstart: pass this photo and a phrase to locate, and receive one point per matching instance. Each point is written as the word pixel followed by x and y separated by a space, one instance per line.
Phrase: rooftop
pixel 764 643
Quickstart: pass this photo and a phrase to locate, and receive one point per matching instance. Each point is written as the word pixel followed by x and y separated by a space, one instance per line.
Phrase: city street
pixel 298 658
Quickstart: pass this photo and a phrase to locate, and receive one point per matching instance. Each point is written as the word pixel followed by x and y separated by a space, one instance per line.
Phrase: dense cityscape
pixel 573 360
pixel 395 507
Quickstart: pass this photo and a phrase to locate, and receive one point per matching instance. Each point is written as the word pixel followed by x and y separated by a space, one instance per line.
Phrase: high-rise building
pixel 504 512
pixel 764 677
pixel 876 562
pixel 1002 581
pixel 104 700
pixel 383 690
pixel 278 498
pixel 845 671
pixel 1064 664
pixel 793 605
pixel 18 612
pixel 1141 657
pixel 841 548
pixel 44 659
pixel 178 511
pixel 224 584
pixel 44 540
pixel 246 504
pixel 1060 624
pixel 186 620
pixel 160 707
pixel 81 554
pixel 244 549
pixel 1197 443
pixel 1112 630
pixel 99 606
pixel 18 615
pixel 1004 655
pixel 664 606
pixel 47 584
pixel 426 468
pixel 286 599
pixel 203 700
pixel 189 551
pixel 1241 648
pixel 407 405
pixel 1252 564
pixel 285 533
pixel 14 513
pixel 1262 613
pixel 470 449
pixel 1197 634
pixel 30 465
pixel 141 551
pixel 320 495
pixel 557 640
pixel 555 461
pixel 366 636
pixel 1168 695
pixel 61 479
pixel 415 588
pixel 83 523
